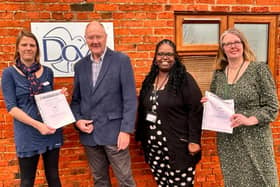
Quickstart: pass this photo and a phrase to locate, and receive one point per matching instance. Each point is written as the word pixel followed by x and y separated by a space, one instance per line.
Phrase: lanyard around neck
pixel 237 74
pixel 159 87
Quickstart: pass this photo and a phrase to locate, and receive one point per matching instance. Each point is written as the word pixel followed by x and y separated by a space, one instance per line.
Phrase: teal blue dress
pixel 15 87
pixel 247 156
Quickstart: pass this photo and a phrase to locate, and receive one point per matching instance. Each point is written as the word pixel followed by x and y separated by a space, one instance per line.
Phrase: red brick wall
pixel 138 26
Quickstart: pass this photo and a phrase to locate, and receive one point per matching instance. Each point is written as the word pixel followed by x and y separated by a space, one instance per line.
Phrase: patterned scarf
pixel 29 72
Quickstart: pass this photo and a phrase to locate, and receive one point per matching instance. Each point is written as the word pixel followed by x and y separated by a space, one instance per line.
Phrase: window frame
pixel 266 19
pixel 197 48
pixel 226 21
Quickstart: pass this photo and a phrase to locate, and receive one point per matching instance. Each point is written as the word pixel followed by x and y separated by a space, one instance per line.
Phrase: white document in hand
pixel 54 109
pixel 217 113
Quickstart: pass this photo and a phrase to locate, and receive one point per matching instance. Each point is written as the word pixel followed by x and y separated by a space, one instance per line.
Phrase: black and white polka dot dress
pixel 158 157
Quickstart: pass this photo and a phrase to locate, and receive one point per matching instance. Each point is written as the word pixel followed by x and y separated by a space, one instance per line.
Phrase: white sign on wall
pixel 63 44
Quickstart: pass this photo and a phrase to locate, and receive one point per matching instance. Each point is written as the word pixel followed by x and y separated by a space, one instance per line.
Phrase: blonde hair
pixel 25 33
pixel 248 53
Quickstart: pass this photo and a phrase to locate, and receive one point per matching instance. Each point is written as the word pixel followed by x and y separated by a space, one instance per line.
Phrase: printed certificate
pixel 217 113
pixel 54 109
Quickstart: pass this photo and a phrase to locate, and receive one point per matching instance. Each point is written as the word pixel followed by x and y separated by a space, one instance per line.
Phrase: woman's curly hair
pixel 177 73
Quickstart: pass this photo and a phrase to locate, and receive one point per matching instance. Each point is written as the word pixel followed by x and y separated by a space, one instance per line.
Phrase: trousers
pixel 101 157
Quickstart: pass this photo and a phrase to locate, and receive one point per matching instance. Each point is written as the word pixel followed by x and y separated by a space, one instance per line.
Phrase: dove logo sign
pixel 63 44
pixel 62 50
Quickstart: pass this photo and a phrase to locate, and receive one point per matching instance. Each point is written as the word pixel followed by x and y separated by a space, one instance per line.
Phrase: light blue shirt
pixel 96 67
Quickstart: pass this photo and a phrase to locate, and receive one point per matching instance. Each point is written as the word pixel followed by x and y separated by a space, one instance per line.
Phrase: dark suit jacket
pixel 111 103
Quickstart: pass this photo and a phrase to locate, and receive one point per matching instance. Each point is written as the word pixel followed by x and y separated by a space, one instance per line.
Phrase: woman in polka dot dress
pixel 169 121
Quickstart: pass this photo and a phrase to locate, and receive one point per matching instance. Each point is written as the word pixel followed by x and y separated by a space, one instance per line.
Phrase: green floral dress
pixel 247 156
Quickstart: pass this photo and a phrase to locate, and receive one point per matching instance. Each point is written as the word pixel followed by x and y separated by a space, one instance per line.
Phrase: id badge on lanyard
pixel 151 117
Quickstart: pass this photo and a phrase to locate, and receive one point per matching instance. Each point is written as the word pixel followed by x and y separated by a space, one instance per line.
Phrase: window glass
pixel 257 36
pixel 200 33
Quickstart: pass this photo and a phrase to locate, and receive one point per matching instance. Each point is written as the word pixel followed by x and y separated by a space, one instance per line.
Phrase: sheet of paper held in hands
pixel 54 109
pixel 217 113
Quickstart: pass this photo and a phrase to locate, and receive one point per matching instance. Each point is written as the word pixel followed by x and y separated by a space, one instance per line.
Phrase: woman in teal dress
pixel 33 138
pixel 246 155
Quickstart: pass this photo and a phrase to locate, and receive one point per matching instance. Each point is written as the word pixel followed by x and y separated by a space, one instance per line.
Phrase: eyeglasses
pixel 162 54
pixel 230 44
pixel 92 37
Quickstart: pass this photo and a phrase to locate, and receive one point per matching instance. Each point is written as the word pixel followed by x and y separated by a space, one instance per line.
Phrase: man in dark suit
pixel 104 104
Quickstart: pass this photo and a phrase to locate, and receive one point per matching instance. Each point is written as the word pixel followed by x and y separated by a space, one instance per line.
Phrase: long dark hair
pixel 176 74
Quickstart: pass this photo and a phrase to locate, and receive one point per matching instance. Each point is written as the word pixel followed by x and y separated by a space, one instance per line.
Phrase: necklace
pixel 237 74
pixel 157 86
pixel 154 95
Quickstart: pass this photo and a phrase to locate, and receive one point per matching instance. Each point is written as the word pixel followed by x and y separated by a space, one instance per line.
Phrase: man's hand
pixel 85 126
pixel 123 141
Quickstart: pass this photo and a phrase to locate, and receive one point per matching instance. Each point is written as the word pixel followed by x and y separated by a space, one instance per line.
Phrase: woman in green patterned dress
pixel 246 155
